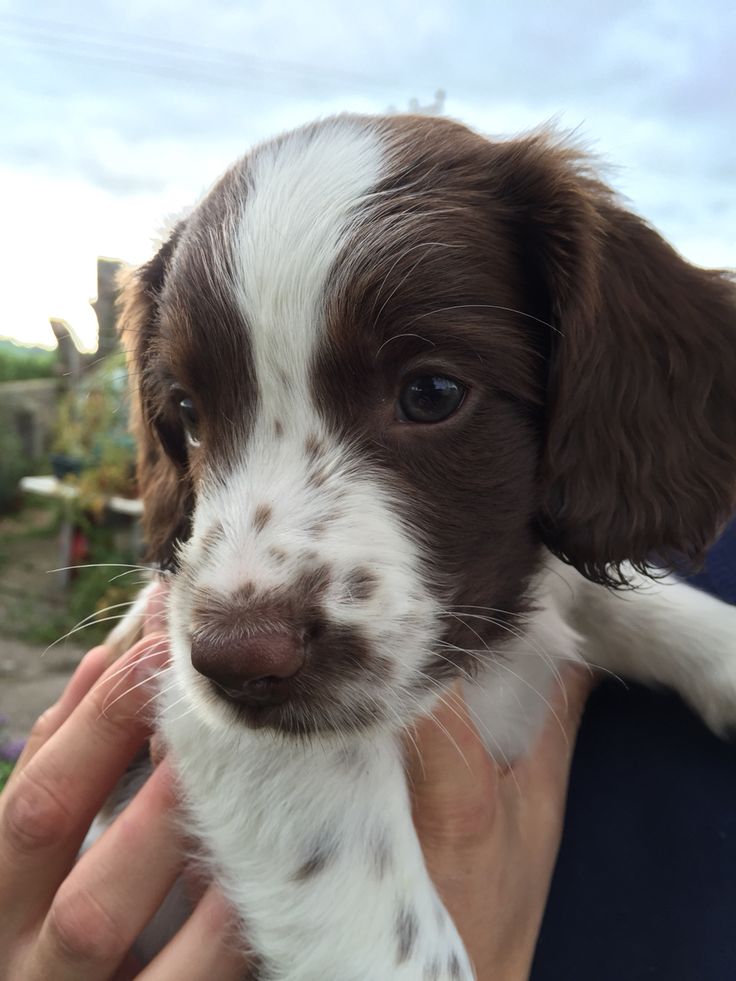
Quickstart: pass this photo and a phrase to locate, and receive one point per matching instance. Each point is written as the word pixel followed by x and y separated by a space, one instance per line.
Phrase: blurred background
pixel 117 116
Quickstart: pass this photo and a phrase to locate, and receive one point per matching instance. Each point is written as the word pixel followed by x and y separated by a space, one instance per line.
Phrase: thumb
pixel 452 779
pixel 545 770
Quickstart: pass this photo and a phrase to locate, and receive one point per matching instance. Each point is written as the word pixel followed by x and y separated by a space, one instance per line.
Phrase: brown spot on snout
pixel 278 555
pixel 212 537
pixel 317 478
pixel 278 428
pixel 262 516
pixel 318 528
pixel 361 584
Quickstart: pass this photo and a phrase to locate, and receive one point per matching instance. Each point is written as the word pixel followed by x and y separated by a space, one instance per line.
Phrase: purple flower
pixel 11 749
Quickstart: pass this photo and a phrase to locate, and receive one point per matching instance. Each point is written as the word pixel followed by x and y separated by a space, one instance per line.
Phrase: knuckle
pixel 33 816
pixel 120 705
pixel 43 727
pixel 82 929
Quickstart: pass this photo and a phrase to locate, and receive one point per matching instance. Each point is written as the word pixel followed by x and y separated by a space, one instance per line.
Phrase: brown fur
pixel 601 413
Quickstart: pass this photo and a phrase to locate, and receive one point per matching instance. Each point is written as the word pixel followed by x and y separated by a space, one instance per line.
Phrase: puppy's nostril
pixel 257 668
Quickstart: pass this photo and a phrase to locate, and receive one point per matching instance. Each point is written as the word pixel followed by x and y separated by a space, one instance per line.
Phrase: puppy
pixel 411 405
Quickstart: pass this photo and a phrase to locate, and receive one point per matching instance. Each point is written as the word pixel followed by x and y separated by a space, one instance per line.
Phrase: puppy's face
pixel 357 418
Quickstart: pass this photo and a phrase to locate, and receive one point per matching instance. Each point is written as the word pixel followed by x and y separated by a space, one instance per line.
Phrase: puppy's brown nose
pixel 256 669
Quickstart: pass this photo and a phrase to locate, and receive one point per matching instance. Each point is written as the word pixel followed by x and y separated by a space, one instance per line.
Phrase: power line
pixel 166 58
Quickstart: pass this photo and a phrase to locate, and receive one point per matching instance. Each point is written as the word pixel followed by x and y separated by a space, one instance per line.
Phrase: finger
pixel 154 616
pixel 114 890
pixel 452 778
pixel 49 808
pixel 156 748
pixel 206 947
pixel 88 671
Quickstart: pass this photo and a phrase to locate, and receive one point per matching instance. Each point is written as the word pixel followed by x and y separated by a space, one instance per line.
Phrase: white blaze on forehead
pixel 301 198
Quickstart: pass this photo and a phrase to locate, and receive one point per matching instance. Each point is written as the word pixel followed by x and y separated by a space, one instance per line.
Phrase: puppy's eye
pixel 190 420
pixel 430 398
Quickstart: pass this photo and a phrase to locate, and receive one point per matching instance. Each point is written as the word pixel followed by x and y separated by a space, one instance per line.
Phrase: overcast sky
pixel 113 116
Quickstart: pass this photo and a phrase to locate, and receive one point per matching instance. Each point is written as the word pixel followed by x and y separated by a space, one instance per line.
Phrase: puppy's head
pixel 380 365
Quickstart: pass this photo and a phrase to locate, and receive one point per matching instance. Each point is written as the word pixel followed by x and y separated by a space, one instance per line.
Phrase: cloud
pixel 131 112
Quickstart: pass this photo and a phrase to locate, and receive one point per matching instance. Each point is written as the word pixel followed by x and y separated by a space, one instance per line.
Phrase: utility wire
pixel 158 56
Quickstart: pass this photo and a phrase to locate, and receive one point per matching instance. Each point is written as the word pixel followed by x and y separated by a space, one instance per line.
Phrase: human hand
pixel 76 921
pixel 490 834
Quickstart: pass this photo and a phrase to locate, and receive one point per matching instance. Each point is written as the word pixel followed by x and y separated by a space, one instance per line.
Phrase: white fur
pixel 261 803
pixel 264 804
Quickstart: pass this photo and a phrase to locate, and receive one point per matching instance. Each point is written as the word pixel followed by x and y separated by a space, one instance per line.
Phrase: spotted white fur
pixel 314 842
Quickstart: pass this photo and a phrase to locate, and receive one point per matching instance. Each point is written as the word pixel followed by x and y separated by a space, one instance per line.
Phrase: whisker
pixel 524 637
pixel 150 652
pixel 106 706
pixel 82 626
pixel 484 306
pixel 100 565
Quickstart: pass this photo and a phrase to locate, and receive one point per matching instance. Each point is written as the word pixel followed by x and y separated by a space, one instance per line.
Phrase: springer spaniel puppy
pixel 411 404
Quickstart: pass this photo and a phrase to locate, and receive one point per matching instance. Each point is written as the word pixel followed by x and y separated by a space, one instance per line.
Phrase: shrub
pixel 20 363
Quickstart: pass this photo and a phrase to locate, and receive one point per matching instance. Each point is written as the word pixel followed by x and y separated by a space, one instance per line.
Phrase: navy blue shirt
pixel 645 883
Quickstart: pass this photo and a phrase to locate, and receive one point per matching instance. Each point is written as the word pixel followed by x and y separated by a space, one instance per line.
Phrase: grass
pixel 5 770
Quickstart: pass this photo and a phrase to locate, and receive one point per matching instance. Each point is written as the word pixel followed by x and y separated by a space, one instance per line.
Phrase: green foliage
pixel 33 618
pixel 94 591
pixel 18 363
pixel 5 770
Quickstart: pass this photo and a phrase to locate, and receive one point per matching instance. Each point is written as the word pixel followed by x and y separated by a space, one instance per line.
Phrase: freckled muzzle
pixel 284 663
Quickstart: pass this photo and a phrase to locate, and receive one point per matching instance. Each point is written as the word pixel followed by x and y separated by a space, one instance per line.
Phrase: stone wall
pixel 30 407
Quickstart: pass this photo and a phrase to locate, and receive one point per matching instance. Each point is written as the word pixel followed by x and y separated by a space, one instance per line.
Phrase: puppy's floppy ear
pixel 640 452
pixel 164 482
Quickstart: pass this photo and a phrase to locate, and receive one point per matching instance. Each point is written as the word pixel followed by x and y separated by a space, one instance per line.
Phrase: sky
pixel 113 117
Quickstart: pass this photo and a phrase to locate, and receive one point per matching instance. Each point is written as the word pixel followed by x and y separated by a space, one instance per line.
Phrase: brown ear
pixel 163 480
pixel 640 454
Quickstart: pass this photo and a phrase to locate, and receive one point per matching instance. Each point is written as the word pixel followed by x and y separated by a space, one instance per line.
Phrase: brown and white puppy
pixel 409 401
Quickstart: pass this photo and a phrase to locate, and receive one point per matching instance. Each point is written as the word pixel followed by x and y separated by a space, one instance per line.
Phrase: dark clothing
pixel 645 884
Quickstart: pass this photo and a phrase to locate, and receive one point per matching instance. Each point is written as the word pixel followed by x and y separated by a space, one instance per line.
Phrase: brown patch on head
pixel 262 515
pixel 361 584
pixel 600 416
pixel 185 337
pixel 165 484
